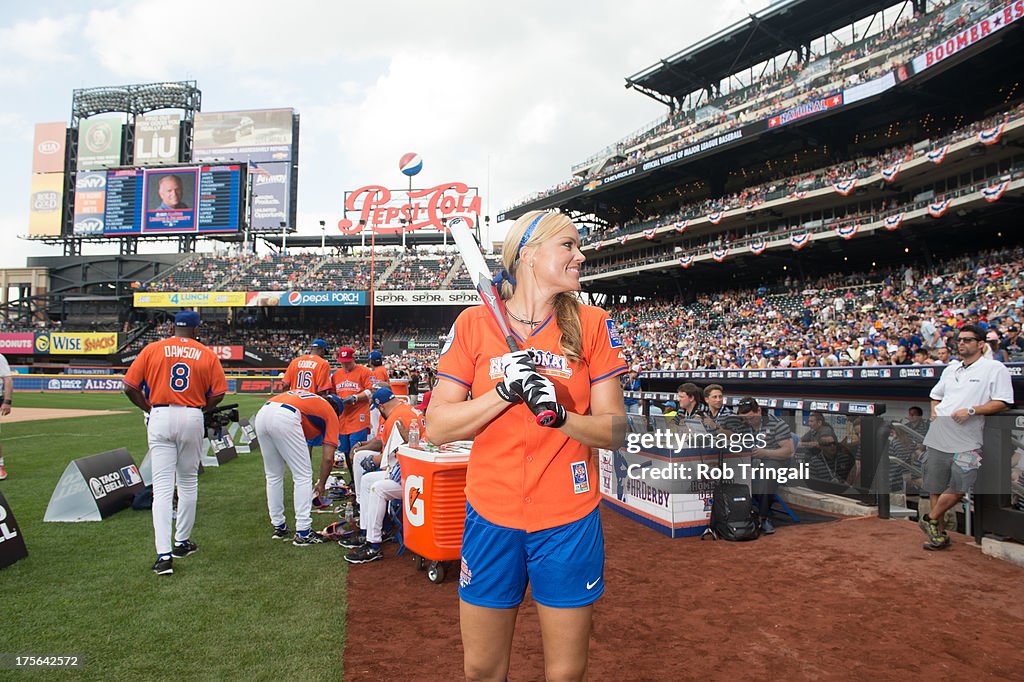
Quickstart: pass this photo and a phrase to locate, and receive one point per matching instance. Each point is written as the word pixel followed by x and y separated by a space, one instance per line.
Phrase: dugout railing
pixel 999 500
pixel 872 486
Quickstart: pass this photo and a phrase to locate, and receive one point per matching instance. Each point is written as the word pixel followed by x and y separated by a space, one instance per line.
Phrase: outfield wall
pixel 112 383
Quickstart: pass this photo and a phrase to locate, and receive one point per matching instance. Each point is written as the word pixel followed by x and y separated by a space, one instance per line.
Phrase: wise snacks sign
pixel 79 343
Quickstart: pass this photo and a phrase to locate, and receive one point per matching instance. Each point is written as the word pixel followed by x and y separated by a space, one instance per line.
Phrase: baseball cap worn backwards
pixel 186 318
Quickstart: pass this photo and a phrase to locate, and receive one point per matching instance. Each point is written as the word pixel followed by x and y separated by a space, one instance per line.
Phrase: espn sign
pixel 227 352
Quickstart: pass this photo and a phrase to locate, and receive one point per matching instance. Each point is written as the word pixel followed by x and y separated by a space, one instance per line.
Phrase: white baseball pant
pixel 175 435
pixel 279 430
pixel 378 490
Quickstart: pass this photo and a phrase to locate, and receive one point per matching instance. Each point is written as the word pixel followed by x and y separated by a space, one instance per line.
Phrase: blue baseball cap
pixel 376 356
pixel 337 403
pixel 671 404
pixel 381 396
pixel 187 318
pixel 319 343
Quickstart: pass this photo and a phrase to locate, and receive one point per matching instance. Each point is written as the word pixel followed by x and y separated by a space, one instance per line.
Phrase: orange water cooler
pixel 434 504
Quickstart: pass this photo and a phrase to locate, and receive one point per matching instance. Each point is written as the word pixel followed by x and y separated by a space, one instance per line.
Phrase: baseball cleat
pixel 364 555
pixel 310 538
pixel 282 533
pixel 183 549
pixel 353 541
pixel 163 567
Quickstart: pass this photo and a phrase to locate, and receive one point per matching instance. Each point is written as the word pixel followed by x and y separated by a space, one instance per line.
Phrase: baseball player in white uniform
pixel 5 408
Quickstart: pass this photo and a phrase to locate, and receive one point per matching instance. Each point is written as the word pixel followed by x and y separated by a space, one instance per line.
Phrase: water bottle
pixel 414 433
pixel 349 513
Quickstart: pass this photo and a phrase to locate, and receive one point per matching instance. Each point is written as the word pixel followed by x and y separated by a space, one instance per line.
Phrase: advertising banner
pixel 294 299
pixel 190 299
pixel 75 343
pixel 48 148
pixel 99 142
pixel 95 487
pixel 44 212
pixel 873 87
pixel 805 110
pixel 423 297
pixel 996 21
pixel 271 183
pixel 259 135
pixel 227 352
pixel 22 343
pixel 12 544
pixel 90 202
pixel 259 385
pixel 157 139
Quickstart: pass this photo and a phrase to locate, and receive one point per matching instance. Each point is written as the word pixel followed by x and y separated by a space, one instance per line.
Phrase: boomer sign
pixel 388 211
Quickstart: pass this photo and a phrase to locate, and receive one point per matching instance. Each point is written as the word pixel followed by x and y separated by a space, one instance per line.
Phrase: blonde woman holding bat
pixel 532 491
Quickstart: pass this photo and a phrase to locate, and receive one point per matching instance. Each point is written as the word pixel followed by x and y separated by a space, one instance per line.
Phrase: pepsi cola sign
pixel 387 212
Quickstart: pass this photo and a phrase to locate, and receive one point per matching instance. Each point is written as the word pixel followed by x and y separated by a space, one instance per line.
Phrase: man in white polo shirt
pixel 5 408
pixel 970 388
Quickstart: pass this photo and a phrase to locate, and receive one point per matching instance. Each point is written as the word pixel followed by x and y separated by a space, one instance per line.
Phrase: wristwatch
pixel 971 412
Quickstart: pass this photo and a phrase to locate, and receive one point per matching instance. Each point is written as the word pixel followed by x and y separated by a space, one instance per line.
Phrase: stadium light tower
pixel 284 238
pixel 323 239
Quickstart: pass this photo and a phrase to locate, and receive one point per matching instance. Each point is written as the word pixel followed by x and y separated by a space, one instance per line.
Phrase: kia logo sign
pixel 48 147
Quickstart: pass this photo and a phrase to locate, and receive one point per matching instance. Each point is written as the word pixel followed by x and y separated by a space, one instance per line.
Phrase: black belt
pixel 191 407
pixel 285 406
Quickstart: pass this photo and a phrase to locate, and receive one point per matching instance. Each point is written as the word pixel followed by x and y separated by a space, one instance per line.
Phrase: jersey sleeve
pixel 136 374
pixel 456 361
pixel 323 377
pixel 602 345
pixel 289 374
pixel 218 382
pixel 366 381
pixel 331 424
pixel 939 390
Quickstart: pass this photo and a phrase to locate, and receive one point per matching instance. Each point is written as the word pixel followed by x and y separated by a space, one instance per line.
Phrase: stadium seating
pixel 774 92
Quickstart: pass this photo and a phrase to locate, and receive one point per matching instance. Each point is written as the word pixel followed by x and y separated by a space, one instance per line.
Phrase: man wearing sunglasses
pixel 970 388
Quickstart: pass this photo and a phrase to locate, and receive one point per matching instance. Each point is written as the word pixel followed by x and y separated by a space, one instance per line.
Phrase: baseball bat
pixel 480 275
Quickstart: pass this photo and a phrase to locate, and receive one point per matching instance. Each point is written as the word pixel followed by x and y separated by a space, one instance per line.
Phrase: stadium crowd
pixel 845 66
pixel 877 318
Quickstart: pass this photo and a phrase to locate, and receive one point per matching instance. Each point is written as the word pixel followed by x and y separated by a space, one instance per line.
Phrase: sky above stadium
pixel 503 96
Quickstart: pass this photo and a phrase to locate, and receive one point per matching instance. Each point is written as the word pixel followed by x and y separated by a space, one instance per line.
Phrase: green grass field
pixel 243 606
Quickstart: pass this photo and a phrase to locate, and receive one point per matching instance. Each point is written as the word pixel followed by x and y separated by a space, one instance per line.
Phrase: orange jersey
pixel 177 371
pixel 309 373
pixel 319 423
pixel 380 377
pixel 355 417
pixel 522 475
pixel 404 413
pixel 400 386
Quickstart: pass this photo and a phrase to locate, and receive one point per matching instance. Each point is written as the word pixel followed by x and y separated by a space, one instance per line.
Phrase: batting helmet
pixel 334 531
pixel 337 403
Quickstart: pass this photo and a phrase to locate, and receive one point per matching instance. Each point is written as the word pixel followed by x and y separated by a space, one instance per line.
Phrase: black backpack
pixel 732 514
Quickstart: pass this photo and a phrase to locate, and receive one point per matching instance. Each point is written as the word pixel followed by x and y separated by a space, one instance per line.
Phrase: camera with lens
pixel 220 417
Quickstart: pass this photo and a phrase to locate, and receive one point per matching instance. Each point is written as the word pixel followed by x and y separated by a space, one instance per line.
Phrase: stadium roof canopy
pixel 785 26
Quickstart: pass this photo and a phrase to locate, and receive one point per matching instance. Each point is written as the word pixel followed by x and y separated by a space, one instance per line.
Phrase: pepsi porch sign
pixel 293 299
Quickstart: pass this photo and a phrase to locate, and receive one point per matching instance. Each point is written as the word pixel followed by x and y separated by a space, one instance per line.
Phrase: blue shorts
pixel 347 440
pixel 564 564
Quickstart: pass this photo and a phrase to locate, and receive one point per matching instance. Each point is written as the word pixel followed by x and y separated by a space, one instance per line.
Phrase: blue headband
pixel 528 233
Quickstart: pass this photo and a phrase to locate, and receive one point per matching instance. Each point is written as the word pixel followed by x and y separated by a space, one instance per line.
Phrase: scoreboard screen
pixel 192 199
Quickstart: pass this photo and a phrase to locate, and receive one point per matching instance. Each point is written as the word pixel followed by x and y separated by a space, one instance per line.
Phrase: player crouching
pixel 287 426
pixel 378 487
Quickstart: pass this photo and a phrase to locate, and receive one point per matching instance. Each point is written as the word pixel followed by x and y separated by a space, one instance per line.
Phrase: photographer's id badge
pixel 967 460
pixel 580 479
